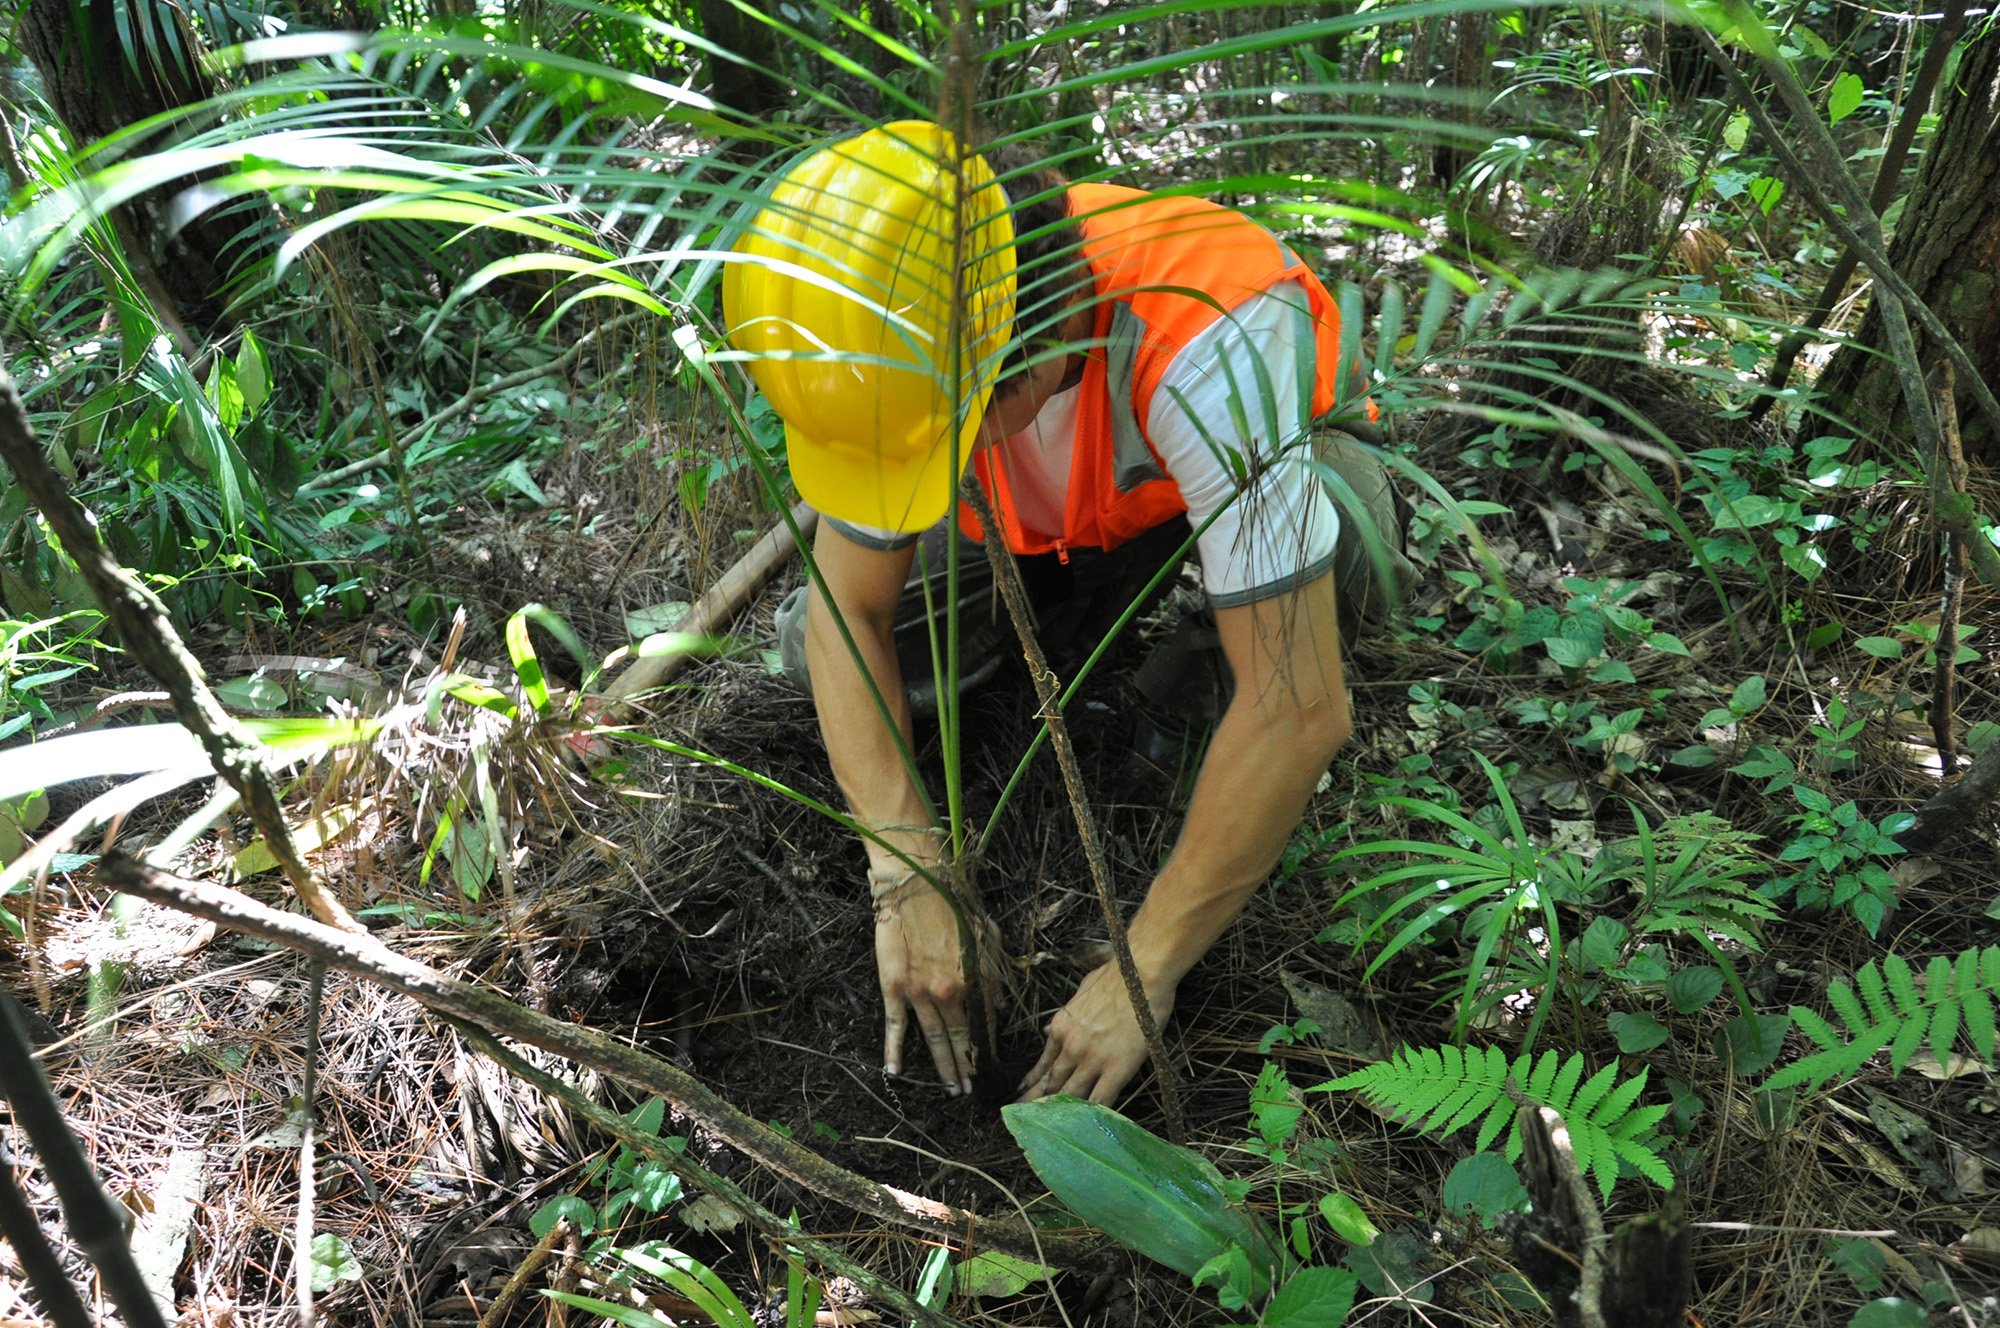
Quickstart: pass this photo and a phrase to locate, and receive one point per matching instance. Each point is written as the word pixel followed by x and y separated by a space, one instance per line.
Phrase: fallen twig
pixel 510 1291
pixel 657 1150
pixel 363 955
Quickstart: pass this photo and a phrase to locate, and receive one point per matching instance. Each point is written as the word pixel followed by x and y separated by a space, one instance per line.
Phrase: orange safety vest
pixel 1145 254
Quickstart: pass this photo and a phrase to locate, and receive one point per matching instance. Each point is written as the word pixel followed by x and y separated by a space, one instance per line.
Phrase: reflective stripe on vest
pixel 1146 253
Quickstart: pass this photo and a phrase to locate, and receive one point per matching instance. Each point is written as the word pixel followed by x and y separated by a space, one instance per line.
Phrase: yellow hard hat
pixel 845 305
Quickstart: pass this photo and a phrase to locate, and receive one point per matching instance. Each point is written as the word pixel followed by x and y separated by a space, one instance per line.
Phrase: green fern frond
pixel 1892 1012
pixel 1442 1089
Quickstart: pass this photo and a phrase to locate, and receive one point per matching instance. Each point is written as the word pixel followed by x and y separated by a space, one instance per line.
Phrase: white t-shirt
pixel 1235 401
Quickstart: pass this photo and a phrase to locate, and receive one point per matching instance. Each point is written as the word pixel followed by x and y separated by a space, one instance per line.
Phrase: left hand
pixel 1094 1046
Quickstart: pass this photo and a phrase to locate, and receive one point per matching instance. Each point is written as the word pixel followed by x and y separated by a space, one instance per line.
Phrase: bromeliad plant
pixel 1172 1205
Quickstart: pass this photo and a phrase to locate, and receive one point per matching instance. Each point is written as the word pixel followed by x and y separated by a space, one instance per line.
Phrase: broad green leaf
pixel 581 1215
pixel 1750 1042
pixel 1314 1298
pixel 1749 695
pixel 1882 647
pixel 1845 99
pixel 1637 1032
pixel 1347 1220
pixel 1162 1200
pixel 1891 1312
pixel 1767 190
pixel 1737 131
pixel 1393 1266
pixel 333 1262
pixel 1691 988
pixel 1570 654
pixel 992 1273
pixel 253 374
pixel 1864 1262
pixel 472 856
pixel 654 1187
pixel 661 617
pixel 27 812
pixel 1485 1184
pixel 252 693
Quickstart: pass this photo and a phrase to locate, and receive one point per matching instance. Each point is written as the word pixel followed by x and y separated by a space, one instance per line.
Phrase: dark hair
pixel 1048 250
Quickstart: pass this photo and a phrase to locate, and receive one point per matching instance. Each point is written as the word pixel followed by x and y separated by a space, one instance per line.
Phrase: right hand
pixel 917 957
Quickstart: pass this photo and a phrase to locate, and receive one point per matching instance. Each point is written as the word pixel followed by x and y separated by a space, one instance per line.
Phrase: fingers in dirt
pixel 938 1034
pixel 894 1025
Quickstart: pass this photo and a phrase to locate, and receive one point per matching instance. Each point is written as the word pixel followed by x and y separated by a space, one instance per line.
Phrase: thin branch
pixel 302 1258
pixel 1893 296
pixel 96 1223
pixel 1949 476
pixel 1008 574
pixel 146 631
pixel 364 956
pixel 656 1149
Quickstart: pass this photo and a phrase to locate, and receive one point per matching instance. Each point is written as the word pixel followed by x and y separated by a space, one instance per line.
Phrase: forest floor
pixel 721 924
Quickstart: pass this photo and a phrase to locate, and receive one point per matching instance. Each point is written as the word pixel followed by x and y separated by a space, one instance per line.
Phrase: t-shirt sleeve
pixel 879 538
pixel 1232 413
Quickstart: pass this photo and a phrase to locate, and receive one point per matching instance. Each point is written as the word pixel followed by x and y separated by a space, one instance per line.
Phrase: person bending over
pixel 1128 365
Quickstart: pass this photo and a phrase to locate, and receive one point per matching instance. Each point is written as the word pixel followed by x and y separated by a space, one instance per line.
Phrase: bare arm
pixel 866 583
pixel 917 952
pixel 1289 716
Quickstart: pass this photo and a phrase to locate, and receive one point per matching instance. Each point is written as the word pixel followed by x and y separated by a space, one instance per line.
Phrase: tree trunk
pixel 96 88
pixel 749 89
pixel 1947 247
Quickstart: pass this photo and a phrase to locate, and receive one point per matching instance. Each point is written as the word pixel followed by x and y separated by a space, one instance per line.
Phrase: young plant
pixel 1496 879
pixel 697 1283
pixel 1837 849
pixel 1172 1205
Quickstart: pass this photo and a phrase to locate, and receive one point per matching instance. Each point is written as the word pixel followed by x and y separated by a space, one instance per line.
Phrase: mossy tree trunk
pixel 1947 246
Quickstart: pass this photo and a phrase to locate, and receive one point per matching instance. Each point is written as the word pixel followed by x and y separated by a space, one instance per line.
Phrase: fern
pixel 1892 1011
pixel 1445 1089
